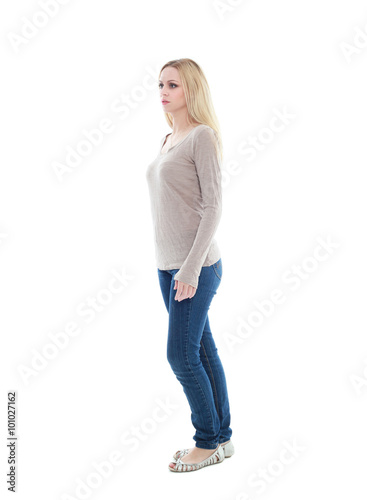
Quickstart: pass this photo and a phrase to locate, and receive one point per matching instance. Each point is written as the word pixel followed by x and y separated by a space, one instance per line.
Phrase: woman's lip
pixel 165 102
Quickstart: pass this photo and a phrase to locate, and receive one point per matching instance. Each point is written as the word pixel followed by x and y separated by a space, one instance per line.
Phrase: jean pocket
pixel 217 268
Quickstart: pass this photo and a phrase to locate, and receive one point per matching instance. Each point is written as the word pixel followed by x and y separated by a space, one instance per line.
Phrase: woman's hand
pixel 184 291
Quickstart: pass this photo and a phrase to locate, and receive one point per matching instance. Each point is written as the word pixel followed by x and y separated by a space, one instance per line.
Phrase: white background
pixel 62 240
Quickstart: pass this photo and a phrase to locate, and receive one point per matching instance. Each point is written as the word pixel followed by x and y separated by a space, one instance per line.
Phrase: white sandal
pixel 215 458
pixel 228 449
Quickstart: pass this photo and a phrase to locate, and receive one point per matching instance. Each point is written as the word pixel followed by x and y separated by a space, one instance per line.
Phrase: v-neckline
pixel 165 139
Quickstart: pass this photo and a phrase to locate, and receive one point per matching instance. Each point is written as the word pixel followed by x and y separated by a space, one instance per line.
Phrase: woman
pixel 186 200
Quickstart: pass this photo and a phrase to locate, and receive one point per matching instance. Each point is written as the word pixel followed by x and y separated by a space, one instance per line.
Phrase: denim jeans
pixel 193 356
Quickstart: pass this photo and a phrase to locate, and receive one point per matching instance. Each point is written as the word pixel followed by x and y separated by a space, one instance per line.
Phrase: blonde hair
pixel 198 97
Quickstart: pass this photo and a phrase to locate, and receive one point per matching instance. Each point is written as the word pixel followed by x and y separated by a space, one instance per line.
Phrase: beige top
pixel 185 187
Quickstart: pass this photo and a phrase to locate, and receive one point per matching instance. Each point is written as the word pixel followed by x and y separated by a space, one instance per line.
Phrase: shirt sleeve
pixel 209 173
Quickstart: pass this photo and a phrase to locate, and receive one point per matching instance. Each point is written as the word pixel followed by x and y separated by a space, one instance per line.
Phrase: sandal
pixel 228 449
pixel 215 458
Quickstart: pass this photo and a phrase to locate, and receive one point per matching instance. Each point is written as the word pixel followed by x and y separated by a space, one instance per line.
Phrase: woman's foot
pixel 194 456
pixel 181 453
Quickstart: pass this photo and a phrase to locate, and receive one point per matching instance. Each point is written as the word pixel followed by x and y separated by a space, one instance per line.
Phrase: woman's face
pixel 171 90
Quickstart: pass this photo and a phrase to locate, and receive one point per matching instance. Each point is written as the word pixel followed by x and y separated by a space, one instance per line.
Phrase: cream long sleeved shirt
pixel 185 187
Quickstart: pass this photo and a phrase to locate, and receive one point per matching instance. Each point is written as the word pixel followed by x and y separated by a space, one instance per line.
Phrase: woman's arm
pixel 209 173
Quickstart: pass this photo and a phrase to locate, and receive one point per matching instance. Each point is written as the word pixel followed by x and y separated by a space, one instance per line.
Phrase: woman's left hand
pixel 184 291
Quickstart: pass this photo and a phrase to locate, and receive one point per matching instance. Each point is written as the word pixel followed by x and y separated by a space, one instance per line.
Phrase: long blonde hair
pixel 198 97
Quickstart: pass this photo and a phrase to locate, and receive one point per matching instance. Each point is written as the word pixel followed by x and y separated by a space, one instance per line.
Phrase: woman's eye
pixel 159 84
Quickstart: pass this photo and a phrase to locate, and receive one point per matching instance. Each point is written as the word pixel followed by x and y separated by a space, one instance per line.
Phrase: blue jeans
pixel 193 356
